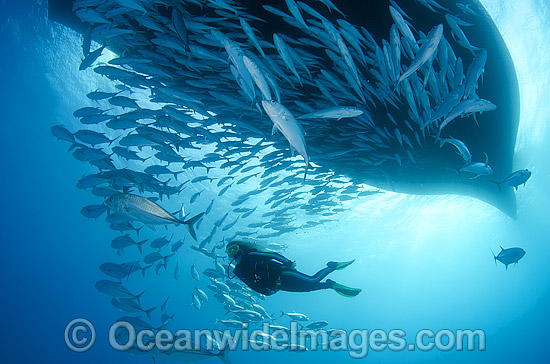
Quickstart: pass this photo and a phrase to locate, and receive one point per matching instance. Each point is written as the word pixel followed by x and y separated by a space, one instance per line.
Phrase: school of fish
pixel 201 104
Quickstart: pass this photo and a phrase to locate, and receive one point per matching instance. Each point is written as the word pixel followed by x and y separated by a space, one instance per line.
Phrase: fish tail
pixel 72 146
pixel 498 184
pixel 189 225
pixel 222 355
pixel 494 256
pixel 305 173
pixel 138 297
pixel 148 312
pixel 144 269
pixel 139 245
pixel 111 142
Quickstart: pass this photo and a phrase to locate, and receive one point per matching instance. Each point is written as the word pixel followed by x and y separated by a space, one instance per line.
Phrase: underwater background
pixel 423 262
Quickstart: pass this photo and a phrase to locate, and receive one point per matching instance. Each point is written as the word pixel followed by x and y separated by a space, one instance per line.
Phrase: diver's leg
pixel 320 275
pixel 311 283
pixel 294 281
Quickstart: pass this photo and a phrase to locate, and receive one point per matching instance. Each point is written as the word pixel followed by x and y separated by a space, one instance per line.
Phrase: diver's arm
pixel 272 255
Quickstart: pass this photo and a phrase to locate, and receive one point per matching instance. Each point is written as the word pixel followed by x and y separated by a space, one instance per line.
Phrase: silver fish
pixel 514 179
pixel 509 256
pixel 285 122
pixel 426 52
pixel 146 211
pixel 339 112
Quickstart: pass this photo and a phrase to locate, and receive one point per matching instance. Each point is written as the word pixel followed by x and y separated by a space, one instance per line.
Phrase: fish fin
pixel 498 184
pixel 139 244
pixel 152 227
pixel 72 146
pixel 144 269
pixel 189 225
pixel 148 312
pixel 138 297
pixel 222 355
pixel 494 256
pixel 274 130
pixel 111 142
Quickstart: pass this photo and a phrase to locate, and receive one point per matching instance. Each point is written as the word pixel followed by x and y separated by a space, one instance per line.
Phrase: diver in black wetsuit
pixel 269 272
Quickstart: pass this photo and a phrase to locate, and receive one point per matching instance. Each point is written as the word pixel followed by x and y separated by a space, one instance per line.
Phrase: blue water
pixel 422 262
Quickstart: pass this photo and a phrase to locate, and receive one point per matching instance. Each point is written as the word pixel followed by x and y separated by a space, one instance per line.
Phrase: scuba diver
pixel 269 272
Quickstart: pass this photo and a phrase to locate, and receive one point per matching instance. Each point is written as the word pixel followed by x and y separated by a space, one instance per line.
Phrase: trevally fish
pixel 478 168
pixel 339 112
pixel 91 58
pixel 475 70
pixel 316 325
pixel 188 356
pixel 285 122
pixel 295 316
pixel 125 241
pixel 508 256
pixel 115 289
pixel 181 29
pixel 465 107
pixel 426 52
pixel 461 148
pixel 514 179
pixel 130 306
pixel 146 211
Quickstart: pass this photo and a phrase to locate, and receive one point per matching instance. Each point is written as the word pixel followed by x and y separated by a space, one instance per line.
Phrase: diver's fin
pixel 339 265
pixel 343 290
pixel 189 225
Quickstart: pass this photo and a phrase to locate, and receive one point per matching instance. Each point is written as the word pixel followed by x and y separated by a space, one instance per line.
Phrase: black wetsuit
pixel 267 273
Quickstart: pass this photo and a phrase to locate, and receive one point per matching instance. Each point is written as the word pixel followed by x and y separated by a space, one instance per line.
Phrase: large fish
pixel 461 148
pixel 514 179
pixel 185 356
pixel 508 256
pixel 146 211
pixel 286 123
pixel 181 29
pixel 426 52
pixel 478 168
pixel 334 113
pixel 465 107
pixel 115 289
